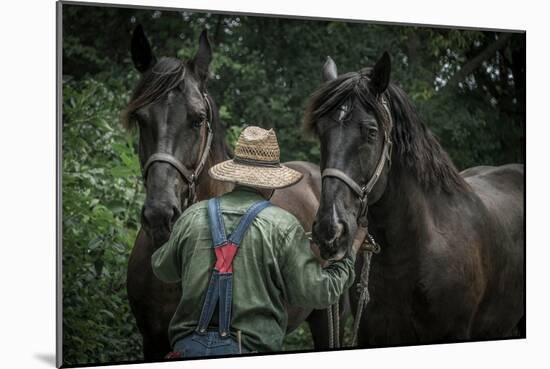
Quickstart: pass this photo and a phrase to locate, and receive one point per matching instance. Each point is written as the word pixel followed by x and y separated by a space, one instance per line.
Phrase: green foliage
pixel 101 199
pixel 300 339
pixel 263 71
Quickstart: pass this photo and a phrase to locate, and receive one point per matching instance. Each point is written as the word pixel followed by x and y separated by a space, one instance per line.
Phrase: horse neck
pixel 412 205
pixel 207 187
pixel 402 218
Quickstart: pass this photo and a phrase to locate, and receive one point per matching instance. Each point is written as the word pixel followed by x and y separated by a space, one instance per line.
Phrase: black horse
pixel 180 132
pixel 451 265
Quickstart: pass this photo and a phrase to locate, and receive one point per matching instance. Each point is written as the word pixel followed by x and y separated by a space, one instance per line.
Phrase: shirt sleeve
pixel 166 261
pixel 306 282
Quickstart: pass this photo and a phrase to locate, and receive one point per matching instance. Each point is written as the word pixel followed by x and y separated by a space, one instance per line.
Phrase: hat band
pixel 257 163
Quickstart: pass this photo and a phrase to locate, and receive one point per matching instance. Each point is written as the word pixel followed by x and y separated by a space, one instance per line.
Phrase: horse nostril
pixel 327 233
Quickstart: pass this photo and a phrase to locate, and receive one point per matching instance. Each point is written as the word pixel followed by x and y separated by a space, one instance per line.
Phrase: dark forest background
pixel 469 87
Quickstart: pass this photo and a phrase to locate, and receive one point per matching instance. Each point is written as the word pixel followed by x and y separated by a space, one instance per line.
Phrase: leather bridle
pixel 190 176
pixel 368 244
pixel 363 191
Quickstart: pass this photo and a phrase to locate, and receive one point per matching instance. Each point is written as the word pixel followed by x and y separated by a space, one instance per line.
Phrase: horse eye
pixel 370 130
pixel 180 86
pixel 198 122
pixel 372 134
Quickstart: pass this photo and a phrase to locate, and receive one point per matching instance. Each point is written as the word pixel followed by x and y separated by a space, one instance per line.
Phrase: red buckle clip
pixel 224 257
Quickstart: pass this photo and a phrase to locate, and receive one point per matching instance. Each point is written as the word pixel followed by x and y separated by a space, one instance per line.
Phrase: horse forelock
pixel 164 76
pixel 339 92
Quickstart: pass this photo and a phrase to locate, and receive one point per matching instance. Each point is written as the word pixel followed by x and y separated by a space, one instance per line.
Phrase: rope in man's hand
pixel 363 242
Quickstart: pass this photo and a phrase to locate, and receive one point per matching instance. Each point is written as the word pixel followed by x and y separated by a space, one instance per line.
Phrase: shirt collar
pixel 246 189
pixel 245 193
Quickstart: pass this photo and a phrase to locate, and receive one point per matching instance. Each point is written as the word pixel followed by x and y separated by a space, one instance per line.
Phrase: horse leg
pixel 318 325
pixel 155 346
pixel 152 302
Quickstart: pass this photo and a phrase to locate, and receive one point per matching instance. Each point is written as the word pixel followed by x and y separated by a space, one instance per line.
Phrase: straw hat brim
pixel 256 176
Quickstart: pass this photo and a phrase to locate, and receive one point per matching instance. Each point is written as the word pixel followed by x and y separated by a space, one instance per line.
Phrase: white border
pixel 27 151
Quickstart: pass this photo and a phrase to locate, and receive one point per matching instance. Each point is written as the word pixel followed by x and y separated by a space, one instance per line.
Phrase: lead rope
pixel 336 313
pixel 330 327
pixel 368 247
pixel 334 325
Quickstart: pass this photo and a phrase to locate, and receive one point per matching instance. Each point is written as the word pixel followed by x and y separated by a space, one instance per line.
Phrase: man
pixel 239 260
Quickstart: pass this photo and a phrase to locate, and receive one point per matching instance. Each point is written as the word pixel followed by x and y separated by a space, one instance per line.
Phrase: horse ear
pixel 203 57
pixel 380 74
pixel 142 55
pixel 330 71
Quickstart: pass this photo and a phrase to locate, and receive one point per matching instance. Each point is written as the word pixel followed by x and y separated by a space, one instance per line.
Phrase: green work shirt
pixel 274 265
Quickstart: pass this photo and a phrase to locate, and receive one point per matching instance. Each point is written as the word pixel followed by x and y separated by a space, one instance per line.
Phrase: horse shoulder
pixel 447 289
pixel 451 267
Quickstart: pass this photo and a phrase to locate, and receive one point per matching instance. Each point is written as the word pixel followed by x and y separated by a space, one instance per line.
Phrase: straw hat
pixel 256 162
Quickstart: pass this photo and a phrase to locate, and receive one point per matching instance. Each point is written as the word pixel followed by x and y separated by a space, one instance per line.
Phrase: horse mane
pixel 164 76
pixel 222 150
pixel 415 147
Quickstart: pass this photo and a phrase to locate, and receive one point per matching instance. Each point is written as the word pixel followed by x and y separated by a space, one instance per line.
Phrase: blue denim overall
pixel 204 342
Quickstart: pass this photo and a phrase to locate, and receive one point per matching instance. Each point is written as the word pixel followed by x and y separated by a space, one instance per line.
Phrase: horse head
pixel 350 115
pixel 172 113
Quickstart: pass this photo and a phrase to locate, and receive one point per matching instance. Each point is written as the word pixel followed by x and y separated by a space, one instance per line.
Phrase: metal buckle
pixel 369 244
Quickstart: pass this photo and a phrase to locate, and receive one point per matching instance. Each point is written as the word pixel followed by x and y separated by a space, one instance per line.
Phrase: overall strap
pixel 220 287
pixel 246 220
pixel 215 219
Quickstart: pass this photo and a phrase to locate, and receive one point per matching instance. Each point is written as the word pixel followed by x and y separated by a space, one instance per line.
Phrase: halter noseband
pixel 190 176
pixel 363 191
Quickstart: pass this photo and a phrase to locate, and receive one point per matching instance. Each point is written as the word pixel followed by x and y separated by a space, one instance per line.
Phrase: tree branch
pixel 471 65
pixel 218 29
pixel 413 44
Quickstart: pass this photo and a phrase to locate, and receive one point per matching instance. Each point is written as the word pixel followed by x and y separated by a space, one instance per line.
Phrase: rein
pixel 368 244
pixel 190 176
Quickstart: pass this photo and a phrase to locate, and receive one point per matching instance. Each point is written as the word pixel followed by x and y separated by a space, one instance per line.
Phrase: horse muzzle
pixel 330 237
pixel 158 219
